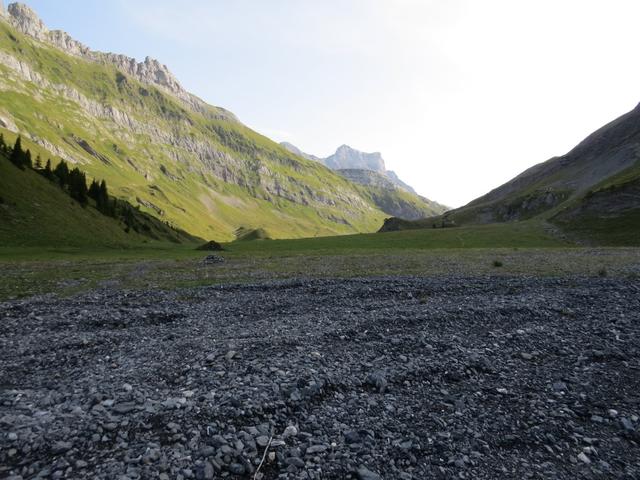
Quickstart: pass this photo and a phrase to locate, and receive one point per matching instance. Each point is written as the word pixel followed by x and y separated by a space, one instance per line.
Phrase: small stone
pixel 230 354
pixel 295 461
pixel 366 474
pixel 559 386
pixel 12 436
pixel 61 447
pixel 583 458
pixel 237 469
pixel 352 437
pixel 124 407
pixel 80 464
pixel 316 449
pixel 526 356
pixel 612 413
pixel 377 380
pixel 262 440
pixel 127 387
pixel 208 471
pixel 290 431
pixel 502 391
pixel 295 396
pixel 627 425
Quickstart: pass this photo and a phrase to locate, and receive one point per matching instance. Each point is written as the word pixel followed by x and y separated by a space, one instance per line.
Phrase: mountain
pixel 347 158
pixel 190 164
pixel 592 192
pixel 381 186
pixel 350 158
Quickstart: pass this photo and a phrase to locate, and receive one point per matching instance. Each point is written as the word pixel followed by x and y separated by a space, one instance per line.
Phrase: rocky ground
pixel 407 378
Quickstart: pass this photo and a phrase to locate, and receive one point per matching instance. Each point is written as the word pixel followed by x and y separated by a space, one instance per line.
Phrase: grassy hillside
pixel 200 170
pixel 37 212
pixel 592 193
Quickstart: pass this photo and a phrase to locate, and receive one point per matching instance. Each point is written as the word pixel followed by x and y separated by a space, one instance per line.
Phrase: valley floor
pixel 462 375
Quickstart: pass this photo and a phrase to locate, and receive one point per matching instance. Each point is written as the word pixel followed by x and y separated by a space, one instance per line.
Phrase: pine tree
pixel 103 194
pixel 94 191
pixel 48 173
pixel 38 164
pixel 26 160
pixel 17 154
pixel 78 186
pixel 62 173
pixel 3 145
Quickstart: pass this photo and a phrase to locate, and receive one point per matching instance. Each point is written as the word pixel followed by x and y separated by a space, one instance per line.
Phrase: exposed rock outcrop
pixel 347 157
pixel 367 177
pixel 150 71
pixel 28 22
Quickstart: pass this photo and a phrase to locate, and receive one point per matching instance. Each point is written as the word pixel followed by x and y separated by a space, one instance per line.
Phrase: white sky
pixel 458 95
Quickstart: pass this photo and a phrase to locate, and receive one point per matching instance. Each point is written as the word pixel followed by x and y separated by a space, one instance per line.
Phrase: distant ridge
pixel 592 192
pixel 348 158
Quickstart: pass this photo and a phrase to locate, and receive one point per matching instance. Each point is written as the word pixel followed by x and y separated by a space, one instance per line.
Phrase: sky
pixel 459 96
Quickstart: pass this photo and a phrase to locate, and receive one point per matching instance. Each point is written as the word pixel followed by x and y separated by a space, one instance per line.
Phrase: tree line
pixel 73 181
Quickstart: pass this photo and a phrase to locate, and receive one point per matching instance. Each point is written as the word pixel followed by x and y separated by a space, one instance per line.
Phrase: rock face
pixel 367 177
pixel 347 157
pixel 149 71
pixel 26 20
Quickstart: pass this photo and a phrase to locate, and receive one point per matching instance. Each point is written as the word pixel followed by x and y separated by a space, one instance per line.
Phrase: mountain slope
pixel 159 147
pixel 37 212
pixel 592 192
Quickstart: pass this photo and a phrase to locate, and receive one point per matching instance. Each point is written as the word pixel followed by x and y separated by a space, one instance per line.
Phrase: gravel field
pixel 385 378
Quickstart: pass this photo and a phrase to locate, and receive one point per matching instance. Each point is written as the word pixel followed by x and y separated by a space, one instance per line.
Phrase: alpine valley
pixel 193 166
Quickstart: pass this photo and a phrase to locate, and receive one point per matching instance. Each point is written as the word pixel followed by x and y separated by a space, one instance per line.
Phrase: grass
pixel 25 272
pixel 523 249
pixel 506 235
pixel 36 212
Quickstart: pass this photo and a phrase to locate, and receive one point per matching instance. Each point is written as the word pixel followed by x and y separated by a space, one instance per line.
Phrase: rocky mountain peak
pixel 350 158
pixel 149 71
pixel 27 21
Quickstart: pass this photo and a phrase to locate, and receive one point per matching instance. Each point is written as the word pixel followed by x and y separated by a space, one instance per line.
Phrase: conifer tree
pixel 17 155
pixel 62 173
pixel 26 160
pixel 38 164
pixel 94 191
pixel 48 173
pixel 77 184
